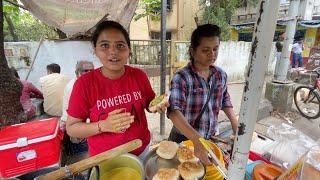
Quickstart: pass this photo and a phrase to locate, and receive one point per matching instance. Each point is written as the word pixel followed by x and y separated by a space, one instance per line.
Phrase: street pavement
pixel 308 127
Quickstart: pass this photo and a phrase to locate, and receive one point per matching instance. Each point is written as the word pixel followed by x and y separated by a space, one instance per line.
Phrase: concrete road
pixel 309 127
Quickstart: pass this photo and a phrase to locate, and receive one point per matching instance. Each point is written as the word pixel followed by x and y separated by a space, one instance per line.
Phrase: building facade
pixel 244 18
pixel 180 21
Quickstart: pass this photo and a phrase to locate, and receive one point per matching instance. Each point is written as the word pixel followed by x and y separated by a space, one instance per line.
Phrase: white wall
pixel 64 53
pixel 233 57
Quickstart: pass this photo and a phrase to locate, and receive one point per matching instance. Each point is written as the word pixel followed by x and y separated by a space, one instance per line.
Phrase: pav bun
pixel 166 174
pixel 191 170
pixel 186 154
pixel 158 100
pixel 167 149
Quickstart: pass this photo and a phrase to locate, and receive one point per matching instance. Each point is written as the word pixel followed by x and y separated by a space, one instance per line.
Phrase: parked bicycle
pixel 307 98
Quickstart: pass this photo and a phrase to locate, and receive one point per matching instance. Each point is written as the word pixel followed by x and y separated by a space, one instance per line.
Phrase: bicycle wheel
pixel 307 102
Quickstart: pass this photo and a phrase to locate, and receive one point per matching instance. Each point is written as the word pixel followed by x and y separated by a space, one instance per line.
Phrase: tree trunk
pixel 11 27
pixel 11 110
pixel 61 34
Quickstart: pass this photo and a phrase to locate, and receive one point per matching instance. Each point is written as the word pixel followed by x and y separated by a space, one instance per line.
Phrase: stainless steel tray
pixel 153 162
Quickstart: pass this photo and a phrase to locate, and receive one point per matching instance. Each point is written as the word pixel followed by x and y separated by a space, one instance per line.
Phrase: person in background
pixel 198 92
pixel 29 91
pixel 52 87
pixel 75 149
pixel 82 67
pixel 114 97
pixel 297 50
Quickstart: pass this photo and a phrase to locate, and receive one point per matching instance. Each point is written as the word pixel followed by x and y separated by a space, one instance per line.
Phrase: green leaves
pixel 26 26
pixel 220 13
pixel 151 8
pixel 11 11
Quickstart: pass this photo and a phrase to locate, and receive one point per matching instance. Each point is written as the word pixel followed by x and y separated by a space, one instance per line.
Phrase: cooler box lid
pixel 20 135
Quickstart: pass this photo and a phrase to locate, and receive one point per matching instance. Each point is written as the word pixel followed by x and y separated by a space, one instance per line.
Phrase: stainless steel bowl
pixel 125 160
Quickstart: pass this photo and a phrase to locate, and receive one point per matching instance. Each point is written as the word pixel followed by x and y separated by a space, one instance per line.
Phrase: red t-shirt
pixel 94 96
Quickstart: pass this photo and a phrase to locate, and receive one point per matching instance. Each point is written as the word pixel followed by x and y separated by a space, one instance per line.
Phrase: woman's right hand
pixel 117 121
pixel 201 153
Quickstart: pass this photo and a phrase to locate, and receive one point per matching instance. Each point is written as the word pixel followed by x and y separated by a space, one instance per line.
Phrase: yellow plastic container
pixel 212 172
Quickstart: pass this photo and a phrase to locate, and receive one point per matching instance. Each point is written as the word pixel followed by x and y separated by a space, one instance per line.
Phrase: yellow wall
pixel 139 29
pixel 180 21
pixel 171 19
pixel 234 35
pixel 309 41
pixel 186 23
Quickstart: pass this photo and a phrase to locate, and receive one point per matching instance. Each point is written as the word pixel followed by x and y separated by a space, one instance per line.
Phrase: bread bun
pixel 191 170
pixel 167 149
pixel 153 104
pixel 185 154
pixel 166 174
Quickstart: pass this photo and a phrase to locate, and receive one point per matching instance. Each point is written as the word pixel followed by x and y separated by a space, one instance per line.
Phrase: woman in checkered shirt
pixel 190 88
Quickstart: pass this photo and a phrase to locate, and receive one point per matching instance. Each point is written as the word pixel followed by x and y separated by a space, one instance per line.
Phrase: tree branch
pixel 11 27
pixel 15 4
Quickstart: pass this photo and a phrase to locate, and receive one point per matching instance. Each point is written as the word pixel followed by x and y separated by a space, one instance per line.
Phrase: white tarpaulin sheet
pixel 78 16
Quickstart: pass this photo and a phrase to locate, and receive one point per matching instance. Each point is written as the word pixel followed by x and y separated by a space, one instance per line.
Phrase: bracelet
pixel 99 127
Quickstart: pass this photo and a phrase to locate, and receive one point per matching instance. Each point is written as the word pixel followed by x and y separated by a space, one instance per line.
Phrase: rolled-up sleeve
pixel 226 100
pixel 178 92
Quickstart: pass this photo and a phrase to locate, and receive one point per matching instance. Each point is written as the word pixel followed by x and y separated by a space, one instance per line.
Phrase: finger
pixel 117 128
pixel 159 109
pixel 127 126
pixel 117 117
pixel 127 122
pixel 153 109
pixel 122 128
pixel 123 119
pixel 163 108
pixel 117 111
pixel 167 104
pixel 123 122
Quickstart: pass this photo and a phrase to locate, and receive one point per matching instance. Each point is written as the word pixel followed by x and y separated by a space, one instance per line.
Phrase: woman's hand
pixel 201 153
pixel 161 106
pixel 117 121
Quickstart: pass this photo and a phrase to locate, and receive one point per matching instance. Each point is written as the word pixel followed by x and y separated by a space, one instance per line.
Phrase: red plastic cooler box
pixel 29 146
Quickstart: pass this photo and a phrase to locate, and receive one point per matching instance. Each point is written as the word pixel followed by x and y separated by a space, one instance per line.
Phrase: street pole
pixel 283 64
pixel 163 65
pixel 265 26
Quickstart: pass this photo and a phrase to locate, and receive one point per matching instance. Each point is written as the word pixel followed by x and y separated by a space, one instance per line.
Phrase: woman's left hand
pixel 160 107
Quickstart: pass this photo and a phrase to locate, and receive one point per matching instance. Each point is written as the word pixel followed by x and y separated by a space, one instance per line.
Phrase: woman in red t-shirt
pixel 113 96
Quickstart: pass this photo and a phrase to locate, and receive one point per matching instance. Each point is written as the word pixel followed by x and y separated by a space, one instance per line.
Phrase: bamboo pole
pixel 34 58
pixel 92 161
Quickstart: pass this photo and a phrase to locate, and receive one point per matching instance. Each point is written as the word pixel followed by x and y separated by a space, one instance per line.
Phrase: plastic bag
pixel 313 156
pixel 306 168
pixel 288 146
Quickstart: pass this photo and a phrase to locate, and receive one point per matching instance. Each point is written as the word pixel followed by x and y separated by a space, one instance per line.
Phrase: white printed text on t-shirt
pixel 118 100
